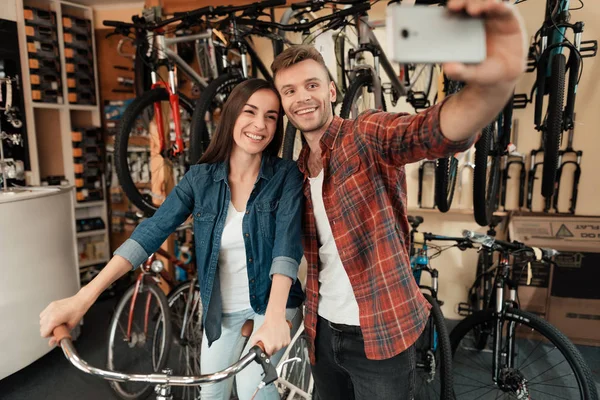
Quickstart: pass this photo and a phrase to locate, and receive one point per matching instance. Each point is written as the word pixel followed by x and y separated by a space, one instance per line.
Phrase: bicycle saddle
pixel 415 221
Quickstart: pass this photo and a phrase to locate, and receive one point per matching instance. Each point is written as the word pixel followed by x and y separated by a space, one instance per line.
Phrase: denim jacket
pixel 271 227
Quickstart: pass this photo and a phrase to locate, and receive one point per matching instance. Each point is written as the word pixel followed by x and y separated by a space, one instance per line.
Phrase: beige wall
pixel 456 268
pixel 8 10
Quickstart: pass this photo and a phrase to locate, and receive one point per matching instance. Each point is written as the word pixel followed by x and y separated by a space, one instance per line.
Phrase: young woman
pixel 246 205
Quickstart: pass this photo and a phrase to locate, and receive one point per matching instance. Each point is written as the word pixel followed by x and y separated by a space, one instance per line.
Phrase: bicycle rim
pixel 186 343
pixel 134 355
pixel 138 158
pixel 546 365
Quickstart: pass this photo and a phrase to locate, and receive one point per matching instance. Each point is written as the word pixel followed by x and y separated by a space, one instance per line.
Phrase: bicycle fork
pixel 171 89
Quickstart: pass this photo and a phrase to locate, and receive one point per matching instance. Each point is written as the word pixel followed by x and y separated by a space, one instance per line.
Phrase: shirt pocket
pixel 352 181
pixel 266 211
pixel 203 225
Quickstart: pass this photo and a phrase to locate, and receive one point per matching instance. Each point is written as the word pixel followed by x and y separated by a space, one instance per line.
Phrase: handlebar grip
pixel 114 23
pixel 61 332
pixel 271 3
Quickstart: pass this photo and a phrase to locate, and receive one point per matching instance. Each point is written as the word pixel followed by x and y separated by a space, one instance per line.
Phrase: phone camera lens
pixel 404 33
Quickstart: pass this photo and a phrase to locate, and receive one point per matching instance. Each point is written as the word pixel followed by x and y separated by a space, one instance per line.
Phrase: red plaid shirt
pixel 364 192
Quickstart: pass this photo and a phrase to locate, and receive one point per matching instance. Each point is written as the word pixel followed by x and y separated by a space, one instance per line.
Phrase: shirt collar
pixel 328 139
pixel 221 171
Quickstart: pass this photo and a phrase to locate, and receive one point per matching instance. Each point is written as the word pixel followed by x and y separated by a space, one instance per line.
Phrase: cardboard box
pixel 579 319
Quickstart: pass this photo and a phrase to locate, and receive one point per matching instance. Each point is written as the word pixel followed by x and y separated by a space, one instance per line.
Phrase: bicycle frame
pixel 146 271
pixel 368 43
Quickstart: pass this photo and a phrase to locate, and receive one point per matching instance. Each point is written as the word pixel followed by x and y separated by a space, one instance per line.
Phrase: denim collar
pixel 221 171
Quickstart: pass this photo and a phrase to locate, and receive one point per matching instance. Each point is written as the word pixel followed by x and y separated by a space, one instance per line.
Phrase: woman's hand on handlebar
pixel 274 334
pixel 67 311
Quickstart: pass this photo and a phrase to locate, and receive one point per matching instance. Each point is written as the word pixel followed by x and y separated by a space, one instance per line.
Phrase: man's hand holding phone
pixel 506 44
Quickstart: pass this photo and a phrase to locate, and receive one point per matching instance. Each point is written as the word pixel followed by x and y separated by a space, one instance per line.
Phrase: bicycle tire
pixel 128 124
pixel 446 172
pixel 278 45
pixel 554 125
pixel 184 354
pixel 434 384
pixel 289 139
pixel 531 323
pixel 486 179
pixel 208 102
pixel 480 296
pixel 362 80
pixel 138 339
pixel 142 77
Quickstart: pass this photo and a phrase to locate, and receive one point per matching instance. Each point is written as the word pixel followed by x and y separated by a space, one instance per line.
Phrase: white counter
pixel 38 264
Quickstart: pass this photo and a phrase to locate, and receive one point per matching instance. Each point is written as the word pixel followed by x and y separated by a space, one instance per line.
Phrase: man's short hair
pixel 294 55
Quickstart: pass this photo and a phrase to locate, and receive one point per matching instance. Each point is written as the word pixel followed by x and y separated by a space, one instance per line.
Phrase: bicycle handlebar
pixel 501 245
pixel 63 338
pixel 318 4
pixel 296 27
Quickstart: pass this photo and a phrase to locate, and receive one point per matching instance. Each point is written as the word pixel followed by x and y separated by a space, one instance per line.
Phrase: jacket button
pixel 253 296
pixel 197 214
pixel 247 212
pixel 247 234
pixel 249 260
pixel 252 281
pixel 314 295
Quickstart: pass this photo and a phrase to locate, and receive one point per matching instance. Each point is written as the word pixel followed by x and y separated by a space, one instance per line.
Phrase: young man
pixel 364 311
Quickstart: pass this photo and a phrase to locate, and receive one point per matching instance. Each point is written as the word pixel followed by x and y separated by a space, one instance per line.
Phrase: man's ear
pixel 332 92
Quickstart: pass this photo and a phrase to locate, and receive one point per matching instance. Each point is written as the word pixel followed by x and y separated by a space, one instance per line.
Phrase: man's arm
pixel 490 84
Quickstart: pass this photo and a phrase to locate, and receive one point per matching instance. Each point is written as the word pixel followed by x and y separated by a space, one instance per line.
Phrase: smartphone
pixel 422 34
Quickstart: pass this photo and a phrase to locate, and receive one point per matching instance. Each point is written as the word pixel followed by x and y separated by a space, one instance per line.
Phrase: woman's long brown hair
pixel 221 143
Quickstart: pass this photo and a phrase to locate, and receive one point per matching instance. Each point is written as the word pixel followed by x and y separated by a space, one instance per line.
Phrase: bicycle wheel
pixel 554 125
pixel 207 111
pixel 546 364
pixel 434 357
pixel 359 97
pixel 149 316
pixel 480 296
pixel 289 37
pixel 295 374
pixel 186 331
pixel 142 77
pixel 137 155
pixel 446 172
pixel 486 176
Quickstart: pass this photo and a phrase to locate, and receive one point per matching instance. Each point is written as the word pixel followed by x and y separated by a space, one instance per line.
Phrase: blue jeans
pixel 229 348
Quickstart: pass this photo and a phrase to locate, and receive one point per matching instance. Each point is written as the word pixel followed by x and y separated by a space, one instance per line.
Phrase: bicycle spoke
pixel 550 394
pixel 551 379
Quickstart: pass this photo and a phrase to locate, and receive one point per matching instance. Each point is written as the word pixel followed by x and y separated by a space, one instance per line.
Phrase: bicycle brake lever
pixel 265 362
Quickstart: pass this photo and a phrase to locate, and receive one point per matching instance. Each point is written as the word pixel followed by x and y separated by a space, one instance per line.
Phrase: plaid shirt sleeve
pixel 401 138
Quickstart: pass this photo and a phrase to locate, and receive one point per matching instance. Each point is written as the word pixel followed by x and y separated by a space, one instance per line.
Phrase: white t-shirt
pixel 336 297
pixel 235 292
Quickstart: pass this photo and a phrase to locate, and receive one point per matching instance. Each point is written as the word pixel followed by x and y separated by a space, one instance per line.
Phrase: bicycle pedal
pixel 419 100
pixel 464 309
pixel 589 48
pixel 387 88
pixel 520 100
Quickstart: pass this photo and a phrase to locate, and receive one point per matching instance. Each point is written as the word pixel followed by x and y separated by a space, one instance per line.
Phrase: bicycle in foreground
pixel 503 352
